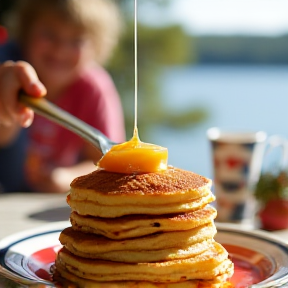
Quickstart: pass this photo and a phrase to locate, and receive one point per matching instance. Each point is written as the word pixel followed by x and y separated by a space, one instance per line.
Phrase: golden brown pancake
pixel 132 226
pixel 205 266
pixel 109 211
pixel 97 244
pixel 115 189
pixel 61 276
pixel 138 256
pixel 151 230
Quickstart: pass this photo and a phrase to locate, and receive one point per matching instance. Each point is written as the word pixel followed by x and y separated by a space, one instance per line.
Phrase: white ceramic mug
pixel 237 162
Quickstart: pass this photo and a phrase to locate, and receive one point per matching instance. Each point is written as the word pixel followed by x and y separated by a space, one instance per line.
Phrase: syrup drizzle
pixel 135 71
pixel 135 156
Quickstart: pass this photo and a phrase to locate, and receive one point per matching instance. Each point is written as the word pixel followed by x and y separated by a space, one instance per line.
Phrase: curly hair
pixel 100 19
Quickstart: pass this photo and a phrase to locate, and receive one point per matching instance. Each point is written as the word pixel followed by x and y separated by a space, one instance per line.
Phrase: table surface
pixel 22 211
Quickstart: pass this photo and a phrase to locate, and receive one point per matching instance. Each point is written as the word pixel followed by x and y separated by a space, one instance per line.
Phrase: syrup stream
pixel 135 156
pixel 135 72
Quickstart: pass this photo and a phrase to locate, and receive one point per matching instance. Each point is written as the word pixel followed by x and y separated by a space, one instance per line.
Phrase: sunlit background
pixel 225 17
pixel 236 72
pixel 202 63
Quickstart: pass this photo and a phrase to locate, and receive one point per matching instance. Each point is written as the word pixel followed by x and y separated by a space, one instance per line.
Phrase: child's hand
pixel 15 76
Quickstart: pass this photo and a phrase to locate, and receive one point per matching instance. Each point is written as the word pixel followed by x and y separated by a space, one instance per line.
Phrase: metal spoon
pixel 50 111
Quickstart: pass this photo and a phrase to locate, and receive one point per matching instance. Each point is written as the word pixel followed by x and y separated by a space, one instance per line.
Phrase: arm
pixel 15 76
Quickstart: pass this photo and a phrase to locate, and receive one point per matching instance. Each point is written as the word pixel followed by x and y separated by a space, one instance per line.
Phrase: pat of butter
pixel 135 156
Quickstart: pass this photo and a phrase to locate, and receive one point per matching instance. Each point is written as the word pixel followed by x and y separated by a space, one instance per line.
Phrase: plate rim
pixel 57 227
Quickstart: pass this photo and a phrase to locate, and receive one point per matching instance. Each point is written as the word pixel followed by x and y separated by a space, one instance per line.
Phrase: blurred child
pixel 66 41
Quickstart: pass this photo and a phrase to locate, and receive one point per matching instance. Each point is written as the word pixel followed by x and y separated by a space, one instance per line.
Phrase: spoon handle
pixel 50 111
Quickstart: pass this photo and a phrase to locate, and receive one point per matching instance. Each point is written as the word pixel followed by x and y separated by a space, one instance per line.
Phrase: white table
pixel 22 211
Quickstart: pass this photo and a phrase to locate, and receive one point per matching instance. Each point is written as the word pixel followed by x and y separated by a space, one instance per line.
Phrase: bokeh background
pixel 202 63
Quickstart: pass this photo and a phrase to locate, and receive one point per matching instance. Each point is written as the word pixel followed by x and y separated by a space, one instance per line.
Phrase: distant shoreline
pixel 234 49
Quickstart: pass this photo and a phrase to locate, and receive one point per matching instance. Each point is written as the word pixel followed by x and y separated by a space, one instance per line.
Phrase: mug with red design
pixel 237 161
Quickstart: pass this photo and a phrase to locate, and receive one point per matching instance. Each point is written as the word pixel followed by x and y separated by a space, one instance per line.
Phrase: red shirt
pixel 92 98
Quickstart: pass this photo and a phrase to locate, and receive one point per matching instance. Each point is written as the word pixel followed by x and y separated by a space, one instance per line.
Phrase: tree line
pixel 241 50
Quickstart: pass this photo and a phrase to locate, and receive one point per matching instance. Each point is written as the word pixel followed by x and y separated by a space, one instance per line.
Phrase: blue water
pixel 243 98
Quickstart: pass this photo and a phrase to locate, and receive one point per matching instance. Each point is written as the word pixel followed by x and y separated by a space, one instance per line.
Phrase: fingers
pixel 28 79
pixel 26 118
pixel 15 76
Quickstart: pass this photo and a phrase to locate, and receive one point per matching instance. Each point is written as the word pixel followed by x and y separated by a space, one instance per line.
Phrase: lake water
pixel 243 98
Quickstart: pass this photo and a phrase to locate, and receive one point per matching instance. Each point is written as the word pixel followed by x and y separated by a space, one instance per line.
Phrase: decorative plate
pixel 259 257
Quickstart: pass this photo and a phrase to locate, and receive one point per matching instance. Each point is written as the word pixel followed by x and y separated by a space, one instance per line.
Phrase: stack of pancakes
pixel 142 230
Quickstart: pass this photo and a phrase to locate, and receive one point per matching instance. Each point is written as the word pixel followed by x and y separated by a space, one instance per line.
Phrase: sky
pixel 256 17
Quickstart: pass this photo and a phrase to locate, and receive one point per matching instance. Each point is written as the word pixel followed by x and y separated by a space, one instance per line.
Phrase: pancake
pixel 96 244
pixel 115 189
pixel 142 230
pixel 204 266
pixel 61 276
pixel 109 211
pixel 138 256
pixel 140 225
